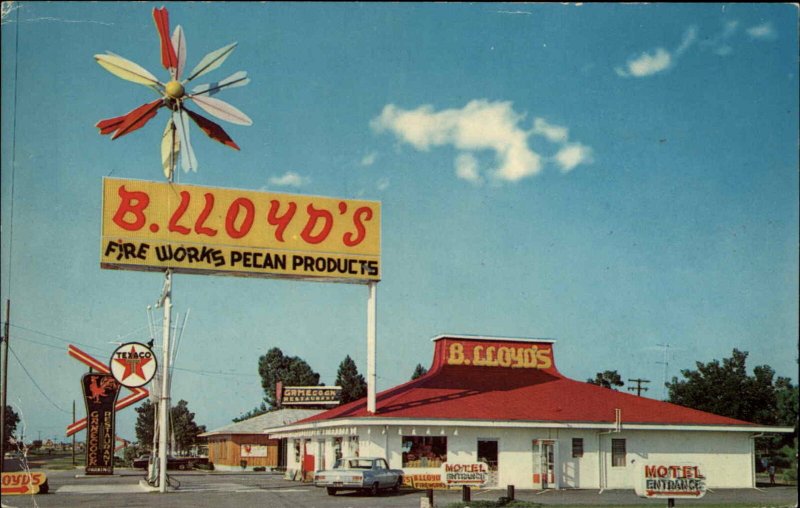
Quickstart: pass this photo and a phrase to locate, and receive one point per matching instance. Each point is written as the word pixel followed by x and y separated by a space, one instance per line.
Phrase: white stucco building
pixel 502 402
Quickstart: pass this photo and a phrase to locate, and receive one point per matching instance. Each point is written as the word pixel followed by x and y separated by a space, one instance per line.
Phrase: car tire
pixel 331 491
pixel 396 487
pixel 373 491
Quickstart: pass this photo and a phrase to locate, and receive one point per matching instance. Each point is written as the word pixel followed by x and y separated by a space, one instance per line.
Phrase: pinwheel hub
pixel 174 90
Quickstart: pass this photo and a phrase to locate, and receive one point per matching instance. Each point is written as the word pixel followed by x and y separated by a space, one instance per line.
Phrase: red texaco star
pixel 133 365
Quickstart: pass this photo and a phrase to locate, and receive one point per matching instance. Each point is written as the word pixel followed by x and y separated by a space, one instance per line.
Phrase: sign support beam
pixel 164 403
pixel 372 331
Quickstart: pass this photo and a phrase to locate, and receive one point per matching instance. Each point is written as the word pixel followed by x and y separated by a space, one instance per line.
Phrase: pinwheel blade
pixel 212 130
pixel 127 70
pixel 109 125
pixel 235 80
pixel 170 146
pixel 222 110
pixel 179 43
pixel 168 57
pixel 188 160
pixel 211 61
pixel 137 118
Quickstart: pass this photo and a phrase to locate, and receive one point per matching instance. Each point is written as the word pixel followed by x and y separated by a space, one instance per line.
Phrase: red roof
pixel 520 383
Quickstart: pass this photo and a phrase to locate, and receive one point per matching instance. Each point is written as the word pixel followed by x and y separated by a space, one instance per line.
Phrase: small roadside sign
pixel 22 482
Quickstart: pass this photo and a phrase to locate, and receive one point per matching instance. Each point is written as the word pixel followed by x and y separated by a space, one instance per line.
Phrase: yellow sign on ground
pixel 192 229
pixel 21 482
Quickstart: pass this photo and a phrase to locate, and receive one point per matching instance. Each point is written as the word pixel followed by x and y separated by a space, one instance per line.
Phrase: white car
pixel 369 474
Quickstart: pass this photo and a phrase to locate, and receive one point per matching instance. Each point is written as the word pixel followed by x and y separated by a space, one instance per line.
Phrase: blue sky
pixel 614 177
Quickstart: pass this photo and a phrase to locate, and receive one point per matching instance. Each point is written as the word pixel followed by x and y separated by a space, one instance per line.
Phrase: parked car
pixel 368 474
pixel 179 463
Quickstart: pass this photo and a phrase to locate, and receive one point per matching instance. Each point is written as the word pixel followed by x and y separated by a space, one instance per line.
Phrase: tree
pixel 607 379
pixel 353 384
pixel 727 390
pixel 144 424
pixel 184 427
pixel 290 370
pixel 10 426
pixel 419 371
pixel 182 421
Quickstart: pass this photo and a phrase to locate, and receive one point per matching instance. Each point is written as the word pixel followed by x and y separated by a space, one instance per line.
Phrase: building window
pixel 577 447
pixel 618 452
pixel 424 451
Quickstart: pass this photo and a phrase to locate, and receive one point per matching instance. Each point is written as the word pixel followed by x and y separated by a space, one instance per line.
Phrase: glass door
pixel 544 464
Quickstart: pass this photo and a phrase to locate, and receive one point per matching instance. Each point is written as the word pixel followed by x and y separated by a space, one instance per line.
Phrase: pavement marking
pixel 218 487
pixel 99 489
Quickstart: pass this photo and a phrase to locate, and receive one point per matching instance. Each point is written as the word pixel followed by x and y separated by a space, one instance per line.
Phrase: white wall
pixel 726 457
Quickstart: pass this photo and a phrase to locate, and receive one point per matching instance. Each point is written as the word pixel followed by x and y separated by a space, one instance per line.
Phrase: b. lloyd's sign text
pixel 670 480
pixel 192 229
pixel 508 355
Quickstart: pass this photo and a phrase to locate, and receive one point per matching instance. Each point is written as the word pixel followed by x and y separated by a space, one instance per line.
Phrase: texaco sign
pixel 133 364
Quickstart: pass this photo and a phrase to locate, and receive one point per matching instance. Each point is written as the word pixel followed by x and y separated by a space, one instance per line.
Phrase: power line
pixel 35 383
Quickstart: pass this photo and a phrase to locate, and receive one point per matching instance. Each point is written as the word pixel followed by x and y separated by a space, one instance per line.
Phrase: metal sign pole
pixel 371 345
pixel 164 404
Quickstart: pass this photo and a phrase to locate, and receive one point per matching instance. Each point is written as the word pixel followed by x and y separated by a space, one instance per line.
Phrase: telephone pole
pixel 5 339
pixel 639 388
pixel 666 369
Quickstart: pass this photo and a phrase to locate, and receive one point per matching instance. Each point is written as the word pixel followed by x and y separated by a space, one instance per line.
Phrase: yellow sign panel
pixel 193 229
pixel 23 483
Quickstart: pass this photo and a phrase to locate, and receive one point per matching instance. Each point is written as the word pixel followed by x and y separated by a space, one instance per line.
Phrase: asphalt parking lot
pixel 219 489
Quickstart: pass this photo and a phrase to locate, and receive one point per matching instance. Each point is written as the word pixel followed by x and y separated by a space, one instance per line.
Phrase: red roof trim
pixel 517 382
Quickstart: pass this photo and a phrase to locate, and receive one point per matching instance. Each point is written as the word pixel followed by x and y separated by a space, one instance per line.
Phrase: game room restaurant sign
pixel 152 226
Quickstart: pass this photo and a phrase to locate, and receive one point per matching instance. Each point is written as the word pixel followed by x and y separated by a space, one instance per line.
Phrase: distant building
pixel 245 444
pixel 504 403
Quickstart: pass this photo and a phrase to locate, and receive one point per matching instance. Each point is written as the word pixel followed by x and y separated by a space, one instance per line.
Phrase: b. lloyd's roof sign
pixel 496 353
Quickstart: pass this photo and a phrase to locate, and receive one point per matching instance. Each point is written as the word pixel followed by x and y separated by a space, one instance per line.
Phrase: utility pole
pixel 164 403
pixel 73 435
pixel 5 338
pixel 639 388
pixel 666 369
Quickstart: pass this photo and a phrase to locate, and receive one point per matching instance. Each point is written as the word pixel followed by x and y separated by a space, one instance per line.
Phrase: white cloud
pixel 719 43
pixel 689 36
pixel 369 159
pixel 573 154
pixel 467 168
pixel 762 31
pixel 383 184
pixel 646 64
pixel 289 179
pixel 480 125
pixel 553 133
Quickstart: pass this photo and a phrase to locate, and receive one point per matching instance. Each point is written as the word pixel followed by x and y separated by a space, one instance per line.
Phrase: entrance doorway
pixel 487 452
pixel 544 464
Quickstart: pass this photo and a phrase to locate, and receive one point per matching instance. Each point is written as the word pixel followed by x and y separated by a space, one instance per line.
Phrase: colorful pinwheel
pixel 173 95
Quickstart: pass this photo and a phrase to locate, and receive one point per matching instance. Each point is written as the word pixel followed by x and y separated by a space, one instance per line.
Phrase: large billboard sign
pixel 192 229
